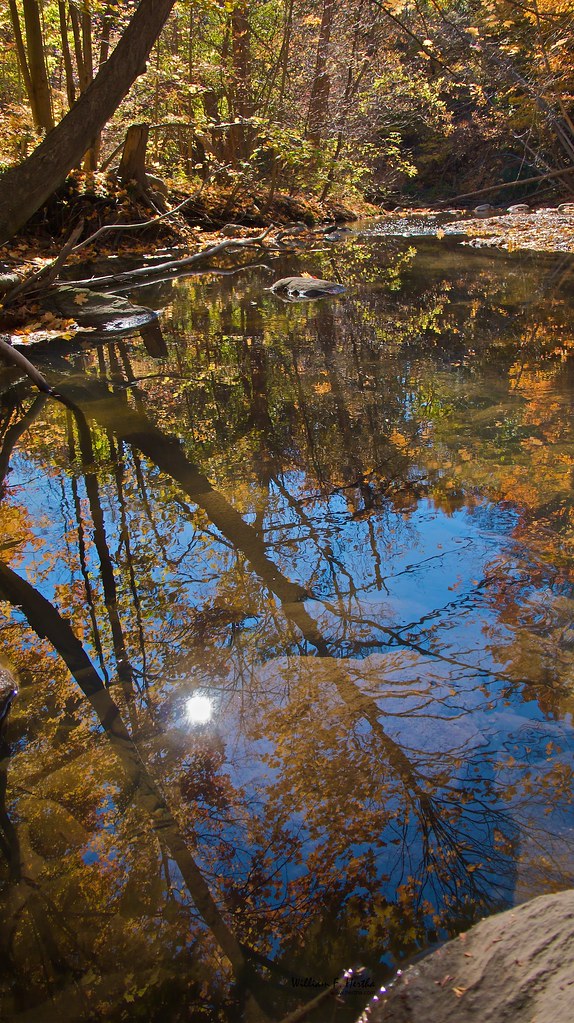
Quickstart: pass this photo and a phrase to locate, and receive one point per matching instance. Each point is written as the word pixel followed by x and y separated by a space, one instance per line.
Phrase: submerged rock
pixel 335 233
pixel 297 289
pixel 485 210
pixel 515 966
pixel 106 312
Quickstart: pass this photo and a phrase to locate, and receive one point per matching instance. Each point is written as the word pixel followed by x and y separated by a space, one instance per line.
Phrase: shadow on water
pixel 289 593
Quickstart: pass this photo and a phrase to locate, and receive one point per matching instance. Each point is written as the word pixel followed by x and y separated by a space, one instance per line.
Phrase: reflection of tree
pixel 8 835
pixel 364 790
pixel 438 827
pixel 107 577
pixel 46 621
pixel 351 818
pixel 12 432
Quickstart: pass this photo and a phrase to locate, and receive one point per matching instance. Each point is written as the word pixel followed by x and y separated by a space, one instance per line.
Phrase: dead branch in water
pixel 173 265
pixel 16 358
pixel 508 184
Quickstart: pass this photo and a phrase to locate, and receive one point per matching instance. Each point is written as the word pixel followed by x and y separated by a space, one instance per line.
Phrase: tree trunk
pixel 23 189
pixel 240 105
pixel 37 64
pixel 105 34
pixel 82 29
pixel 22 61
pixel 33 63
pixel 77 33
pixel 319 101
pixel 70 87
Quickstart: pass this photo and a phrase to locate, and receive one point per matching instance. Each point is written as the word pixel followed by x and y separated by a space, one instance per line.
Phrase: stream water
pixel 289 597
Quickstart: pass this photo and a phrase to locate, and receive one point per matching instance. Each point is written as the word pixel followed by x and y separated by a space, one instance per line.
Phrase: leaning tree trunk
pixel 23 189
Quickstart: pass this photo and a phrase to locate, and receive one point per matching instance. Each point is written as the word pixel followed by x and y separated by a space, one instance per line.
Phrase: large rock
pixel 298 289
pixel 92 309
pixel 514 967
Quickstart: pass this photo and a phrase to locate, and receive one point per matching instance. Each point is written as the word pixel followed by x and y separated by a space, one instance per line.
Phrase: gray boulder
pixel 301 289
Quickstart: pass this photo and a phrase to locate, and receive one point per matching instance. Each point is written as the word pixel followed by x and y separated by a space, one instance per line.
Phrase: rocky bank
pixel 514 967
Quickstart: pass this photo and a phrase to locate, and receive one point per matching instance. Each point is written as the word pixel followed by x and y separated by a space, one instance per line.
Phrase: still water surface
pixel 289 595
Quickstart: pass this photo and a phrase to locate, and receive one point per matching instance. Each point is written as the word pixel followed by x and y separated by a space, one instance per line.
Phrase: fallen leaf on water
pixel 81 298
pixel 459 991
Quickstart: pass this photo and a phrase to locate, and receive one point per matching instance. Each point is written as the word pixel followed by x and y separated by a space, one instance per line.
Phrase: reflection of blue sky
pixel 426 561
pixel 419 574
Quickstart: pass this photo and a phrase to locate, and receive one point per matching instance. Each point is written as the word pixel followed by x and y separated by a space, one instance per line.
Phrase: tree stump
pixel 132 163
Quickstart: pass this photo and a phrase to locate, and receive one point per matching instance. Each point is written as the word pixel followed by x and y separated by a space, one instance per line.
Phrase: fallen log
pixel 44 278
pixel 507 184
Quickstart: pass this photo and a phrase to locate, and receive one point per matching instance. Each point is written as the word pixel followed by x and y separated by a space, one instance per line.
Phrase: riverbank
pixel 550 229
pixel 514 967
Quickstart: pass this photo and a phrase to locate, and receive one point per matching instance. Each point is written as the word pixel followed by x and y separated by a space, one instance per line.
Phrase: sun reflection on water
pixel 198 709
